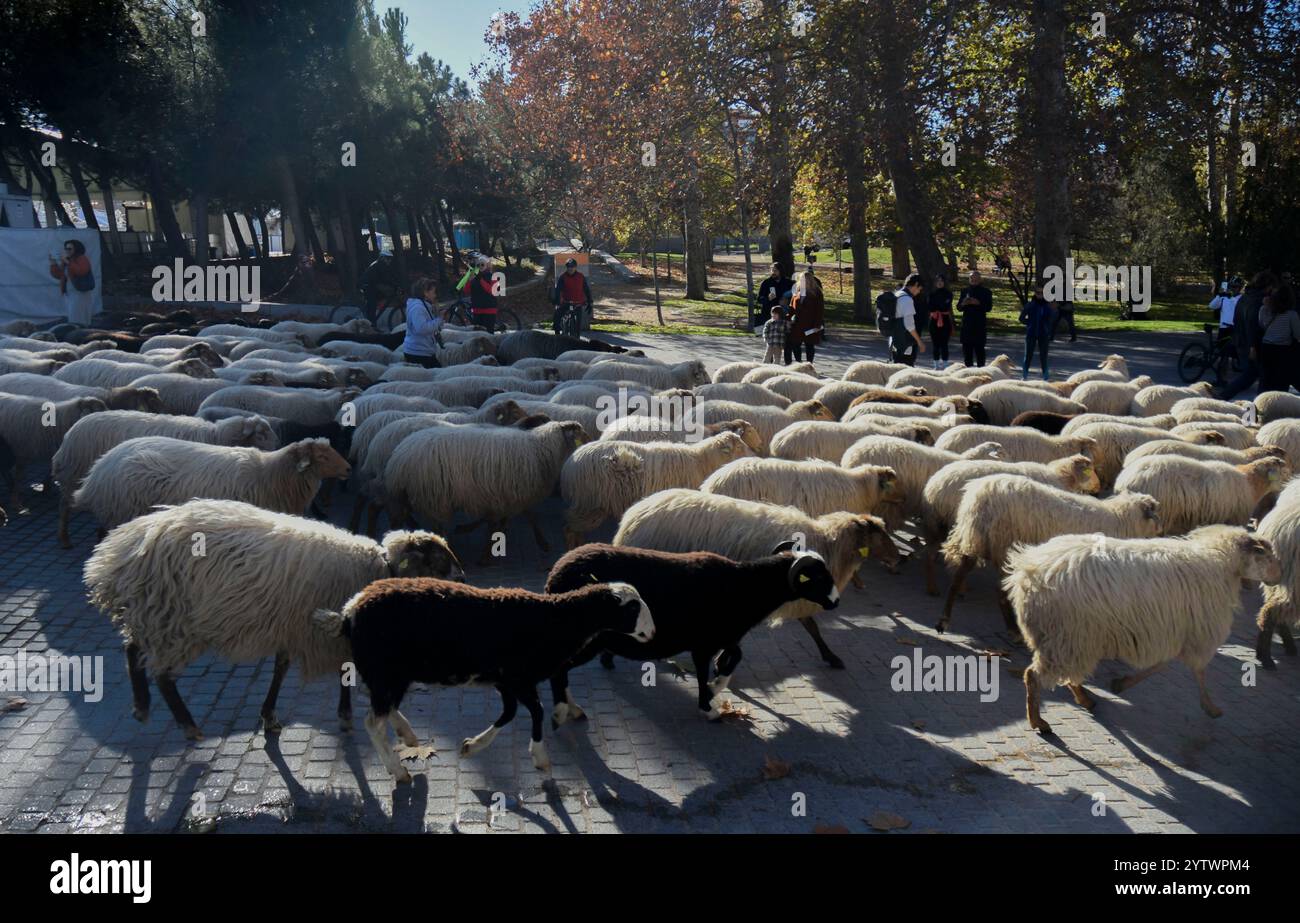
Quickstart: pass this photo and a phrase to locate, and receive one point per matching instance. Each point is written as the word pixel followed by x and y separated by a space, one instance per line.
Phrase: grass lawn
pixel 613 326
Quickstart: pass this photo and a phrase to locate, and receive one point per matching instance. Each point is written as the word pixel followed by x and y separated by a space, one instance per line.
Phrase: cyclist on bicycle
pixel 571 289
pixel 481 289
pixel 380 283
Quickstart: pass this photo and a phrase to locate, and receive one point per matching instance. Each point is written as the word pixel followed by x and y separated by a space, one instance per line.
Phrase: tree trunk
pixel 83 193
pixel 199 228
pixel 55 211
pixel 444 215
pixel 163 214
pixel 1231 161
pixel 855 173
pixel 352 244
pixel 1049 122
pixel 399 252
pixel 437 254
pixel 259 244
pixel 898 253
pixel 241 246
pixel 697 282
pixel 110 209
pixel 777 146
pixel 374 233
pixel 317 251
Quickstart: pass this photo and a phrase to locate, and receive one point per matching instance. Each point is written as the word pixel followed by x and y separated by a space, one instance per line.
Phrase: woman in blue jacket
pixel 1037 318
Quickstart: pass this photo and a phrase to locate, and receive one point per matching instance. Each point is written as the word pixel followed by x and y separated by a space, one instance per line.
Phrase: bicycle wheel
pixel 507 320
pixel 1192 362
pixel 570 324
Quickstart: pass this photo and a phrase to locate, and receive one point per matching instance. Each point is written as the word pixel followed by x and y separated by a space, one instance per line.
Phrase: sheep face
pixel 1269 474
pixel 204 353
pixel 990 450
pixel 633 615
pixel 355 377
pixel 262 377
pixel 195 368
pixel 746 431
pixel 977 412
pixel 1144 511
pixel 811 579
pixel 870 539
pixel 146 400
pixel 85 406
pixel 1084 445
pixel 1082 476
pixel 359 325
pixel 922 435
pixel 1258 559
pixel 732 446
pixel 257 433
pixel 816 410
pixel 574 435
pixel 422 554
pixel 317 456
pixel 507 413
pixel 698 374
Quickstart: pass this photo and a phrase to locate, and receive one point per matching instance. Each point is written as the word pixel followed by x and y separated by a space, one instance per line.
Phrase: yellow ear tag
pixel 803 578
pixel 865 552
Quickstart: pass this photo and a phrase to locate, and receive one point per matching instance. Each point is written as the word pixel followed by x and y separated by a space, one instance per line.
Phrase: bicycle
pixel 569 321
pixel 1197 358
pixel 462 313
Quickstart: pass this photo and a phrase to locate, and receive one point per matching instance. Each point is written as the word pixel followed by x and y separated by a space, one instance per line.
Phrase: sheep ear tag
pixel 804 578
pixel 865 552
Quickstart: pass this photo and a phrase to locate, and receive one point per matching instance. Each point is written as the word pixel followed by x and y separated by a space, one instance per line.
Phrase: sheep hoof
pixel 541 760
pixel 1213 711
pixel 941 627
pixel 1268 663
pixel 345 721
pixel 561 715
pixel 467 747
pixel 834 662
pixel 1044 729
pixel 140 714
pixel 193 733
pixel 271 724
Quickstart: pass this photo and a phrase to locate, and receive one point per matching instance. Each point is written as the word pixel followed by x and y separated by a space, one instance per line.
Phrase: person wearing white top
pixel 422 325
pixel 905 341
pixel 1226 304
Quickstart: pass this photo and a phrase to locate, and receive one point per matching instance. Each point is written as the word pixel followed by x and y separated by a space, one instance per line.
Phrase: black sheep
pixel 538 344
pixel 1043 421
pixel 425 630
pixel 703 603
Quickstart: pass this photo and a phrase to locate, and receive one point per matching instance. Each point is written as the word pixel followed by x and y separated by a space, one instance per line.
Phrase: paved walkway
pixel 818 747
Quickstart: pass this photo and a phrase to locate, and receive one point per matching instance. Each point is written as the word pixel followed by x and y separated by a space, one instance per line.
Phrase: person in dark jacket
pixel 1245 331
pixel 1037 318
pixel 1065 312
pixel 773 289
pixel 482 291
pixel 975 302
pixel 380 282
pixel 940 303
pixel 809 320
pixel 1277 340
pixel 570 288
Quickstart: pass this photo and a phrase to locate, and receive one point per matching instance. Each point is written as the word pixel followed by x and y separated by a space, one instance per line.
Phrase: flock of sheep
pixel 1124 515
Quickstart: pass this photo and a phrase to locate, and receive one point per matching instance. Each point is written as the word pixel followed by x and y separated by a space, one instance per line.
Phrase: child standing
pixel 775 332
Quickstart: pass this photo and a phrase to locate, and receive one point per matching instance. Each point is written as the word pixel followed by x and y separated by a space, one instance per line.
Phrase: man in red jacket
pixel 482 294
pixel 571 288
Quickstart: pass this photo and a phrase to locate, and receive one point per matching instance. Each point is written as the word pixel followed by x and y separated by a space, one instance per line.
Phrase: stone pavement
pixel 840 744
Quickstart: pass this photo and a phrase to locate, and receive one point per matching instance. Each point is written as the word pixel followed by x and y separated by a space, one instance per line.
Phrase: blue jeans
pixel 1042 342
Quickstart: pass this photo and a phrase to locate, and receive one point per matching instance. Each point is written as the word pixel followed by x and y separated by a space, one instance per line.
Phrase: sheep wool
pixel 873 372
pixel 301 405
pixel 1230 434
pixel 1018 443
pixel 733 372
pixel 762 373
pixel 794 387
pixel 682 375
pixel 1285 434
pixel 1005 400
pixel 1281 528
pixel 1277 405
pixel 758 395
pixel 1158 399
pixel 1194 493
pixel 33 429
pixel 830 440
pixel 813 487
pixel 914 464
pixel 769 421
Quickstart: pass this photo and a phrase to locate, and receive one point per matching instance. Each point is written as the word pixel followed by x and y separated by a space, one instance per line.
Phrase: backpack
pixel 886 304
pixel 84 283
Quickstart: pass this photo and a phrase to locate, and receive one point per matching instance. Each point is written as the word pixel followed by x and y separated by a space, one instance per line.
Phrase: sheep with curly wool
pixel 914 465
pixel 92 436
pixel 1157 399
pixel 1235 435
pixel 752 590
pixel 33 429
pixel 251 594
pixel 102 373
pixel 830 440
pixel 936 383
pixel 1206 452
pixel 129 397
pixel 1285 434
pixel 733 372
pixel 1005 400
pixel 742 393
pixel 487 473
pixel 1113 441
pixel 690 520
pixel 1195 492
pixel 305 406
pixel 761 374
pixel 813 486
pixel 872 371
pixel 136 475
pixel 999 511
pixel 601 480
pixel 1079 601
pixel 1018 443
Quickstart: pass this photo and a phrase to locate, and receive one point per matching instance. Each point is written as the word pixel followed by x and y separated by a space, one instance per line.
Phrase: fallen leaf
pixel 995 652
pixel 883 820
pixel 910 642
pixel 735 712
pixel 830 828
pixel 774 769
pixel 14 704
pixel 918 723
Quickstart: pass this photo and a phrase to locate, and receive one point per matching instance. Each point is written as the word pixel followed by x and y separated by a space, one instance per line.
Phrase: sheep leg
pixel 931 569
pixel 703 659
pixel 857 582
pixel 139 683
pixel 1032 696
pixel 827 654
pixel 607 660
pixel 325 496
pixel 1207 705
pixel 1081 696
pixel 167 686
pixel 372 519
pixel 358 505
pixel 65 512
pixel 509 703
pixel 1008 614
pixel 271 724
pixel 410 747
pixel 376 725
pixel 533 521
pixel 566 709
pixel 345 707
pixel 1121 683
pixel 727 663
pixel 958 580
pixel 1288 642
pixel 536 748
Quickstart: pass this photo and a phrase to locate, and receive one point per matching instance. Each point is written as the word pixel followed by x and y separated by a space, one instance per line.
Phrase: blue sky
pixel 452 30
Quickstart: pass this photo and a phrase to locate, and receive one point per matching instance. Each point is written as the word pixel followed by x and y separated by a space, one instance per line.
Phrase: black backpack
pixel 886 304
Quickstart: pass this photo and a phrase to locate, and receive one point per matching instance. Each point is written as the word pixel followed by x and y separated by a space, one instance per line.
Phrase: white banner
pixel 29 292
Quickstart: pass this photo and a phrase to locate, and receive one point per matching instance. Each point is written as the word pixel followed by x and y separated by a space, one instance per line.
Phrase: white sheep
pixel 260 349
pixel 769 421
pixel 830 440
pixel 937 383
pixel 1161 421
pixel 1112 368
pixel 682 375
pixel 812 486
pixel 838 395
pixel 130 478
pixel 1276 405
pixel 1019 443
pixel 485 472
pixel 935 426
pixel 763 372
pixel 1194 493
pixel 1235 435
pixel 129 397
pixel 741 393
pixel 1158 399
pixel 1005 400
pixel 302 374
pixel 1235 409
pixel 1206 452
pixel 1281 528
pixel 942 494
pixel 1114 397
pixel 92 436
pixel 310 334
pixel 305 406
pixel 240 332
pixel 1000 511
pixel 368 352
pixel 1079 601
pixel 872 371
pixel 250 595
pixel 356 411
pixel 181 394
pixel 733 372
pixel 595 394
pixel 457 392
pixel 689 520
pixel 13 361
pixel 795 387
pixel 601 480
pixel 656 429
pixel 1113 442
pixel 33 428
pixel 560 371
pixel 102 373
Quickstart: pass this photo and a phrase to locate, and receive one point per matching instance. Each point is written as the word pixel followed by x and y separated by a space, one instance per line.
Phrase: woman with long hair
pixel 74 268
pixel 809 320
pixel 422 325
pixel 1279 339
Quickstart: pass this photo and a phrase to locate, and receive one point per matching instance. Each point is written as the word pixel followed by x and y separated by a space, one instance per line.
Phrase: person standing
pixel 1065 312
pixel 975 302
pixel 1037 318
pixel 74 267
pixel 775 332
pixel 420 345
pixel 773 288
pixel 1245 333
pixel 940 320
pixel 482 294
pixel 1279 339
pixel 380 282
pixel 808 322
pixel 904 342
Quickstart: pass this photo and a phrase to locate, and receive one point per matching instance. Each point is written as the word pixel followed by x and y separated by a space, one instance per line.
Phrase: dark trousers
pixel 939 337
pixel 1277 367
pixel 798 350
pixel 906 354
pixel 1249 374
pixel 973 352
pixel 1068 318
pixel 789 352
pixel 1041 342
pixel 429 362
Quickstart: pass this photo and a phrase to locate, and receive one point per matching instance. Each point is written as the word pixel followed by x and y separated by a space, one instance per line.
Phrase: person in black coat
pixel 773 289
pixel 975 302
